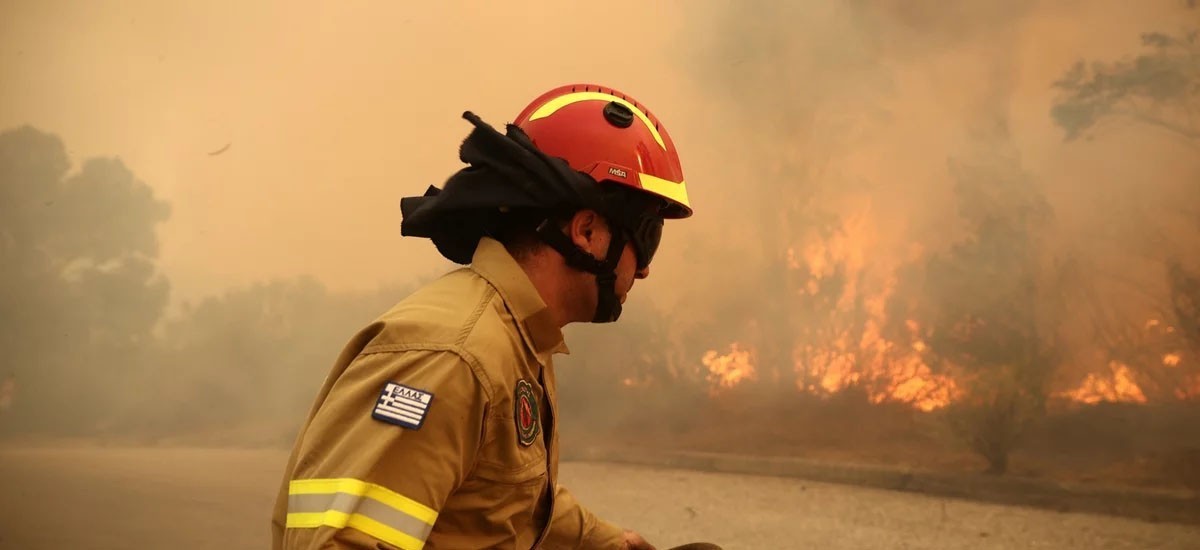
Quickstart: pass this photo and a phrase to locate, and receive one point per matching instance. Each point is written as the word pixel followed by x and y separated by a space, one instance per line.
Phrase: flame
pixel 907 378
pixel 912 382
pixel 848 349
pixel 838 367
pixel 1117 387
pixel 926 395
pixel 728 370
pixel 853 352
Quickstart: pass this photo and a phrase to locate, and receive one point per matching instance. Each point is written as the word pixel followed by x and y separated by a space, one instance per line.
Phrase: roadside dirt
pixel 199 499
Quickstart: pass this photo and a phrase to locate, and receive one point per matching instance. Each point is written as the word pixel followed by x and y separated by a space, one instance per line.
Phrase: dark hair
pixel 517 230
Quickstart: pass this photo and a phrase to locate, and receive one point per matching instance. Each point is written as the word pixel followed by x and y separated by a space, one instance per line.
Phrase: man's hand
pixel 634 541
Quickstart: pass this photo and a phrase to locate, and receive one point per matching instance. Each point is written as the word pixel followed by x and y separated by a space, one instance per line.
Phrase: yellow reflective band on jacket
pixel 372 509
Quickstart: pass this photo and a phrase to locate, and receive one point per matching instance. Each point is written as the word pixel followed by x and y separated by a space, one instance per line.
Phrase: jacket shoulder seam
pixel 467 357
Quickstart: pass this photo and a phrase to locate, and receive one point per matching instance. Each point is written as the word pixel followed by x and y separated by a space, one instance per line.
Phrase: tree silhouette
pixel 984 307
pixel 78 284
pixel 1158 88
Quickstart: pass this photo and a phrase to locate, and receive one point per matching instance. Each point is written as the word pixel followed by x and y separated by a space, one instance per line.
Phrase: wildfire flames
pixel 726 371
pixel 841 355
pixel 1118 386
pixel 911 381
pixel 851 354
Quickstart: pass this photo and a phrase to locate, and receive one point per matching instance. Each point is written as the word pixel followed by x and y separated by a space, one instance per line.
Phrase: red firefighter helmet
pixel 611 137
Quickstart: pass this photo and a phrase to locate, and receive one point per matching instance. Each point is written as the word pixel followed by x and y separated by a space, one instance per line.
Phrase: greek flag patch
pixel 401 405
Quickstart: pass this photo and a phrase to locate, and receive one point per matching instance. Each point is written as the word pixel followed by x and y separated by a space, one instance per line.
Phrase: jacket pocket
pixel 505 458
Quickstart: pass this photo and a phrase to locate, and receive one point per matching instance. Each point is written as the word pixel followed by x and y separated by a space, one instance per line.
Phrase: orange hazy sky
pixel 335 110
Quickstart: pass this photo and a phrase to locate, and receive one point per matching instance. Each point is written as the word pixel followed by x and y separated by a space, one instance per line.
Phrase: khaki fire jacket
pixel 436 428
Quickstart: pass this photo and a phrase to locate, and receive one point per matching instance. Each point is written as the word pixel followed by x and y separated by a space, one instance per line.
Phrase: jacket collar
pixel 493 262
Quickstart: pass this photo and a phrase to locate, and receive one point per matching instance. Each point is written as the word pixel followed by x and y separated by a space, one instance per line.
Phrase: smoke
pixel 854 150
pixel 818 139
pixel 844 119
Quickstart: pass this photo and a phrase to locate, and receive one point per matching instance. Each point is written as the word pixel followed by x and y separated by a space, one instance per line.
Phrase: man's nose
pixel 643 272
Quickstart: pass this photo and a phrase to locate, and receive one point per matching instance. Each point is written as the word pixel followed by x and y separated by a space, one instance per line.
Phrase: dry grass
pixel 1107 444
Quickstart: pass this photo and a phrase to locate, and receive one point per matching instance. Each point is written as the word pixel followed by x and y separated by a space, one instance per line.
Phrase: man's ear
pixel 583 228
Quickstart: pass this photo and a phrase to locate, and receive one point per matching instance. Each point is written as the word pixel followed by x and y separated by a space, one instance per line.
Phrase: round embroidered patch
pixel 526 413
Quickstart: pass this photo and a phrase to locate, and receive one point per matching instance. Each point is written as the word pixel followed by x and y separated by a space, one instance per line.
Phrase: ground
pixel 194 499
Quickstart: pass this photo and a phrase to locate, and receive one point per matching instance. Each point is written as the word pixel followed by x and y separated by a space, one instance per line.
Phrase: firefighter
pixel 437 427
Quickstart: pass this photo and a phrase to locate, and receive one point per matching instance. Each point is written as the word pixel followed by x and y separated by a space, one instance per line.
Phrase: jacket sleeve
pixel 574 526
pixel 397 433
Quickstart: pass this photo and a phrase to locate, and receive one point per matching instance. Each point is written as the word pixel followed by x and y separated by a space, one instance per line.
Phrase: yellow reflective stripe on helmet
pixel 676 191
pixel 550 107
pixel 372 509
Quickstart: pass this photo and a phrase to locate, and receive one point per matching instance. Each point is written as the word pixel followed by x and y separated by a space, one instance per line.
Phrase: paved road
pixel 199 499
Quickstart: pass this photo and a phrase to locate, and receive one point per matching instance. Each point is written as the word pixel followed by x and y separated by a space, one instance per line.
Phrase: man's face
pixel 593 233
pixel 628 272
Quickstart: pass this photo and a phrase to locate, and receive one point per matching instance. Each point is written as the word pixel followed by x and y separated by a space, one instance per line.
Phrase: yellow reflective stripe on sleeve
pixel 372 509
pixel 340 520
pixel 364 489
pixel 548 108
pixel 667 188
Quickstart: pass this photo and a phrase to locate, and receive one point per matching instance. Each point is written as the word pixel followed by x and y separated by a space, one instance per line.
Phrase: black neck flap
pixel 508 172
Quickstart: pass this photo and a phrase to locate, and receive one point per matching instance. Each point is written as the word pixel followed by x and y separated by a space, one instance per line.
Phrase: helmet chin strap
pixel 608 306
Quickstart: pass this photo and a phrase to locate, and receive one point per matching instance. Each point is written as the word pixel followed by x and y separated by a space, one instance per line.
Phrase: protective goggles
pixel 644 229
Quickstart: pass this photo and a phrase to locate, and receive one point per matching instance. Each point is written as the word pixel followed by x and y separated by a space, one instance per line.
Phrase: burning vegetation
pixel 905 243
pixel 928 231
